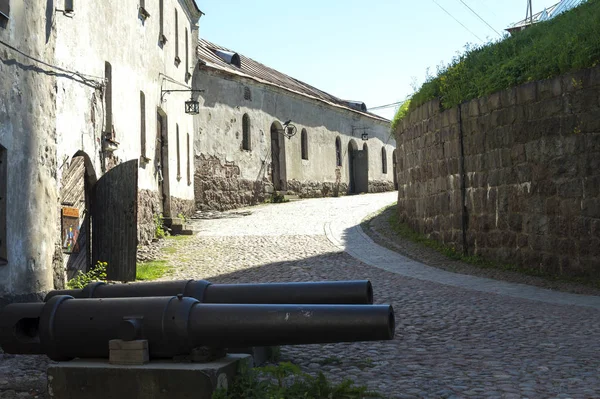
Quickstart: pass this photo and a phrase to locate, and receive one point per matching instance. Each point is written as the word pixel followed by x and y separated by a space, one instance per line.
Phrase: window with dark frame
pixel 178 153
pixel 383 160
pixel 161 18
pixel 5 8
pixel 246 132
pixel 304 144
pixel 187 56
pixel 143 125
pixel 143 10
pixel 3 213
pixel 108 98
pixel 189 170
pixel 177 59
pixel 338 151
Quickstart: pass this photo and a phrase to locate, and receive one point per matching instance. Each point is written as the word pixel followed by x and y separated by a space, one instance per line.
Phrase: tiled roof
pixel 224 60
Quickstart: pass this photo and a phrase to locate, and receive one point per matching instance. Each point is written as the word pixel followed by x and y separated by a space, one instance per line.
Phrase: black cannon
pixel 326 292
pixel 66 328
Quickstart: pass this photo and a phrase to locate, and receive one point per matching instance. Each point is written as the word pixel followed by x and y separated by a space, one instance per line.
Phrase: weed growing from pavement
pixel 146 271
pixel 286 380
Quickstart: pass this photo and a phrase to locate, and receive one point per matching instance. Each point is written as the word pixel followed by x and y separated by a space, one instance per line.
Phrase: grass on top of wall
pixel 566 43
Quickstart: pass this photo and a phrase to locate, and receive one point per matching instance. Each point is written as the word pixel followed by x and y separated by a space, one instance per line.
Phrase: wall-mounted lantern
pixel 192 107
pixel 365 136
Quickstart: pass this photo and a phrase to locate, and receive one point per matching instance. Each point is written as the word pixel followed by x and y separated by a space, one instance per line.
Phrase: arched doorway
pixel 358 168
pixel 278 170
pixel 76 204
pixel 395 170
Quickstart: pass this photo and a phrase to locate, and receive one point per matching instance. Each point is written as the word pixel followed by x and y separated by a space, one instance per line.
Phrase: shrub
pixel 97 273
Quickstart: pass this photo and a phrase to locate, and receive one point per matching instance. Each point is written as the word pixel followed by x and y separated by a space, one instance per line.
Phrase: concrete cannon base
pixel 97 379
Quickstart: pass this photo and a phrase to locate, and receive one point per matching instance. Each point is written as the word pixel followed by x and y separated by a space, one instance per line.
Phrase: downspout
pixel 463 182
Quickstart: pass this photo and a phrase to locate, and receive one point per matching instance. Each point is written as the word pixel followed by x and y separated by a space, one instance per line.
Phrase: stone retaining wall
pixel 531 157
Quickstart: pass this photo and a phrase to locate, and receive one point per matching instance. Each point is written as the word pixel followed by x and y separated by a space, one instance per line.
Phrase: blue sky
pixel 370 51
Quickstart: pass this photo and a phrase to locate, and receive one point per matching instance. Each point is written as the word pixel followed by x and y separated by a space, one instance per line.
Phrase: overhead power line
pixel 387 105
pixel 461 24
pixel 478 16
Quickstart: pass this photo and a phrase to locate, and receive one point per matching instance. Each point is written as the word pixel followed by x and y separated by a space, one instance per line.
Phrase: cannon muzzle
pixel 66 328
pixel 327 292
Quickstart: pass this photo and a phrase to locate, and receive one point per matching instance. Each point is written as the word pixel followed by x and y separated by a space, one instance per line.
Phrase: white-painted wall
pixel 219 129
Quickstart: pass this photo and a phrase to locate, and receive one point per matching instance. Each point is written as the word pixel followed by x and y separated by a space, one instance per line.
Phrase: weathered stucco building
pixel 242 154
pixel 89 117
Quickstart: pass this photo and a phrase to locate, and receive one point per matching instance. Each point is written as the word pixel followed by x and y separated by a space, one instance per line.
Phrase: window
pixel 178 154
pixel 189 171
pixel 161 17
pixel 246 132
pixel 5 8
pixel 187 57
pixel 383 160
pixel 108 98
pixel 304 144
pixel 69 6
pixel 247 94
pixel 177 59
pixel 338 151
pixel 143 125
pixel 3 191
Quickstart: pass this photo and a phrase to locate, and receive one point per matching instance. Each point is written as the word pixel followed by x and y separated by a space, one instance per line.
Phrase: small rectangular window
pixel 161 17
pixel 108 98
pixel 143 124
pixel 178 154
pixel 187 57
pixel 5 8
pixel 189 170
pixel 177 59
pixel 3 191
pixel 69 6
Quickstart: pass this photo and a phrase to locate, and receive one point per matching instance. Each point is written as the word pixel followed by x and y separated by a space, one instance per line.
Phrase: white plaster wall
pixel 112 30
pixel 219 129
pixel 27 131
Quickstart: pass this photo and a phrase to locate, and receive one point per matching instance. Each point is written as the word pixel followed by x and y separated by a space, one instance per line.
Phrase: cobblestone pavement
pixel 456 337
pixel 452 339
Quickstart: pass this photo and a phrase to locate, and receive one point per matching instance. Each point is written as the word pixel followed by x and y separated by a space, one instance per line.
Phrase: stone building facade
pixel 241 152
pixel 82 92
pixel 514 176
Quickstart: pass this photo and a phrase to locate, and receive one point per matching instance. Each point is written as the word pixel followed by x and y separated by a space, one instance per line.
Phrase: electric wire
pixel 87 79
pixel 478 16
pixel 461 24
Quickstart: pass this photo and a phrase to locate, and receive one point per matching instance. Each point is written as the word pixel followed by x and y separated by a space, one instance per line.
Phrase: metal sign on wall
pixel 70 229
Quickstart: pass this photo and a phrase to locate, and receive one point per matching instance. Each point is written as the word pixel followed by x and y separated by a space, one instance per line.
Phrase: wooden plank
pixel 114 221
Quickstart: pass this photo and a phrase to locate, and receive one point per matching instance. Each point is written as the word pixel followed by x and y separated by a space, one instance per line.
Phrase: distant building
pixel 544 15
pixel 243 155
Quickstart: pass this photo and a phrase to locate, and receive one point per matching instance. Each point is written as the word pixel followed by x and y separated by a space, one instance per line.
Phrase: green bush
pixel 568 42
pixel 287 381
pixel 97 273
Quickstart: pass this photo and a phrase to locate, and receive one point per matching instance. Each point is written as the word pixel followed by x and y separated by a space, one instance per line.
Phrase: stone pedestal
pixel 97 379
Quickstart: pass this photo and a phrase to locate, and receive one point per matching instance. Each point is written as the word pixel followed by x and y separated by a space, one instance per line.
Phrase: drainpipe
pixel 463 182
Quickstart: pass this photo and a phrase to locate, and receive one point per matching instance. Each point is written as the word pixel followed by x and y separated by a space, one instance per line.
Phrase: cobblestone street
pixel 456 335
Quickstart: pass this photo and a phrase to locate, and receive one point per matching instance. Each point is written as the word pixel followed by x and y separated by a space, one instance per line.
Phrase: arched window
pixel 304 144
pixel 338 151
pixel 383 160
pixel 246 132
pixel 178 153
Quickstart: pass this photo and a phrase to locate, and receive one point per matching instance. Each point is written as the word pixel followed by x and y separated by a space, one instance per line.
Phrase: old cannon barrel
pixel 65 328
pixel 326 292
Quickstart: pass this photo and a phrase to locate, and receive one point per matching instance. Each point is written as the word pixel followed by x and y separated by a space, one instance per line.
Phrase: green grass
pixel 169 250
pixel 566 43
pixel 287 381
pixel 153 270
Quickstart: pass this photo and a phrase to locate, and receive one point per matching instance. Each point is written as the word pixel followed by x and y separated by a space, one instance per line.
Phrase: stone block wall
pixel 531 157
